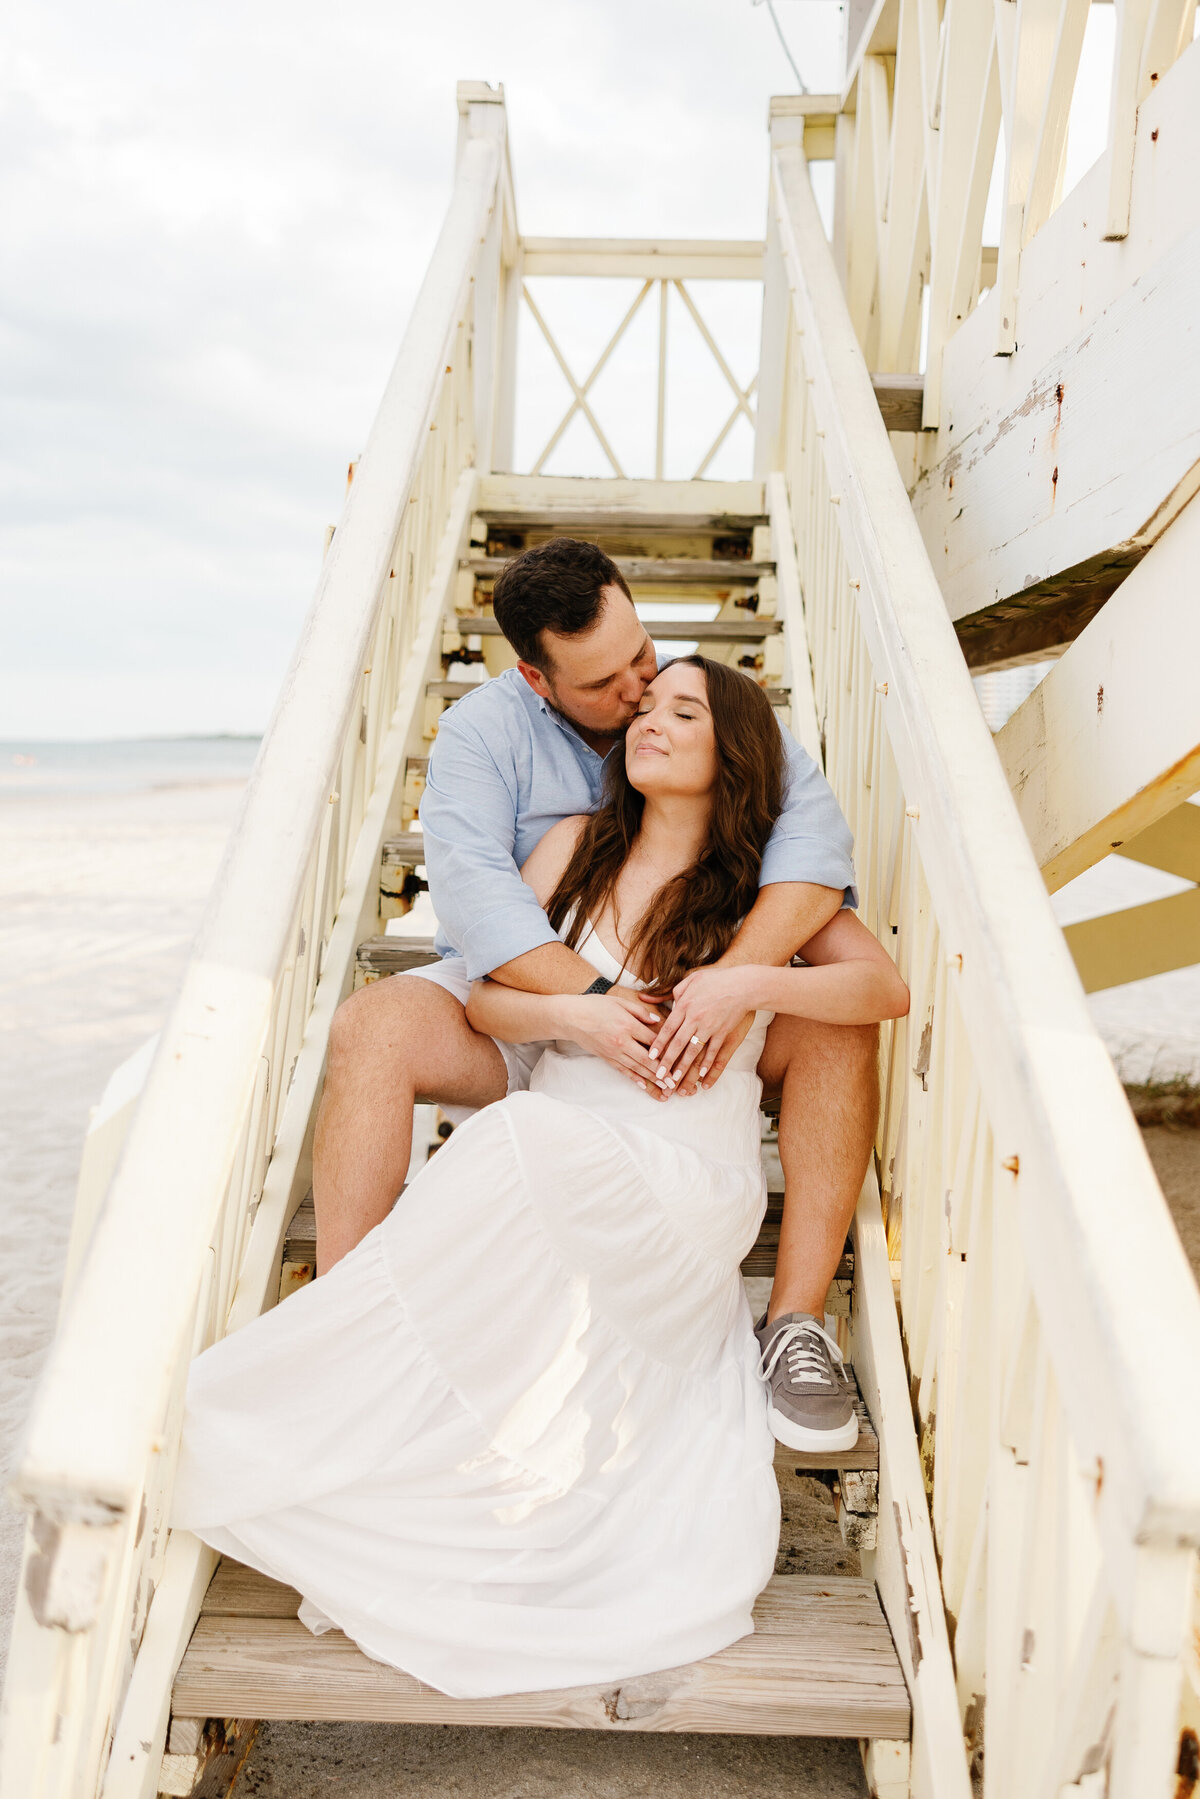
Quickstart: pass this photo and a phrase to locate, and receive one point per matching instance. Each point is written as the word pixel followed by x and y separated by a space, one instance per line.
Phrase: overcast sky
pixel 215 219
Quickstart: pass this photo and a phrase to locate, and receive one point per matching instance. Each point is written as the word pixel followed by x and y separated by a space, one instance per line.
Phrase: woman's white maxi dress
pixel 516 1439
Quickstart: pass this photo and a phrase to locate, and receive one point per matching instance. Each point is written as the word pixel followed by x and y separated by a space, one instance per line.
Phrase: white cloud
pixel 215 222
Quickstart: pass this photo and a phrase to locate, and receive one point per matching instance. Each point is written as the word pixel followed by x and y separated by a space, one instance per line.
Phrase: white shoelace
pixel 806 1359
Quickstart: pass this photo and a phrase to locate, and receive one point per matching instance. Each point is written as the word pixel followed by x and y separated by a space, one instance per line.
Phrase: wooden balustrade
pixel 1019 1202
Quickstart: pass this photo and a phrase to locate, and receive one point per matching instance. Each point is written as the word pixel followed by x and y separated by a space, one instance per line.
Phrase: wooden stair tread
pixel 650 570
pixel 716 630
pixel 862 1459
pixel 393 955
pixel 406 849
pixel 580 505
pixel 820 1663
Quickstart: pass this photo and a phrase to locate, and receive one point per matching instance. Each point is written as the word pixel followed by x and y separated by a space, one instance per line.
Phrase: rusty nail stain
pixel 1013 1164
pixel 1054 477
pixel 1154 135
pixel 1099 700
pixel 1187 1768
pixel 1154 75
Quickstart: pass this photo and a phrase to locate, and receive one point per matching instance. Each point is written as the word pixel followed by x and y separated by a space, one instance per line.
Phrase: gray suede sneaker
pixel 810 1399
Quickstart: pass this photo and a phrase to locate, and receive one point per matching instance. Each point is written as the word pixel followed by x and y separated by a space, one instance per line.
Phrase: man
pixel 511 758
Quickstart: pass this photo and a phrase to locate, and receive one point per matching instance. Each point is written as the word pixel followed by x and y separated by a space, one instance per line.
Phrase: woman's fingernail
pixel 654 1055
pixel 703 1072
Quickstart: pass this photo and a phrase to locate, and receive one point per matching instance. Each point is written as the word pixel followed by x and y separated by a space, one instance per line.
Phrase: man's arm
pixel 491 916
pixel 782 920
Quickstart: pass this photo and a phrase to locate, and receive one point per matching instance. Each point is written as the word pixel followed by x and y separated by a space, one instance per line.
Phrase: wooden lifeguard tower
pixel 966 456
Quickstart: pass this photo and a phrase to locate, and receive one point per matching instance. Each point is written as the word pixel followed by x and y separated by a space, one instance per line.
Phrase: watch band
pixel 599 985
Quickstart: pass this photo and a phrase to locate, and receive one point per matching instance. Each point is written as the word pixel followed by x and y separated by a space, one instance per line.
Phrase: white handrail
pixel 989 891
pixel 106 1383
pixel 1007 1143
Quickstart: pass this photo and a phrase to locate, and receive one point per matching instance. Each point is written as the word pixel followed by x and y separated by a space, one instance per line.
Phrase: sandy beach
pixel 100 894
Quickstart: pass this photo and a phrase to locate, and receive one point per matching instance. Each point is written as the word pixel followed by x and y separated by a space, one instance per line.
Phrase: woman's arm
pixel 850 979
pixel 617 1026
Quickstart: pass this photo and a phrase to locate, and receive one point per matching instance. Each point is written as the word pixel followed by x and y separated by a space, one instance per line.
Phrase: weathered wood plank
pixel 407 849
pixel 863 1458
pixel 1110 739
pixel 1067 489
pixel 1108 324
pixel 820 1663
pixel 900 398
pixel 717 630
pixel 378 956
pixel 593 503
pixel 660 571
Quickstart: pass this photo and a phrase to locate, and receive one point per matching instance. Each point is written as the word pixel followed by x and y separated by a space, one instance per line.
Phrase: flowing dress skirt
pixel 516 1439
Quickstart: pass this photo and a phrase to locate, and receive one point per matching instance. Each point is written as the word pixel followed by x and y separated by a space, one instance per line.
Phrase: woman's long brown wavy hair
pixel 694 916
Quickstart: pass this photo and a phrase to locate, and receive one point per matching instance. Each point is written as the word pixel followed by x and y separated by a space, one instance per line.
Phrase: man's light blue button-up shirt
pixel 506 766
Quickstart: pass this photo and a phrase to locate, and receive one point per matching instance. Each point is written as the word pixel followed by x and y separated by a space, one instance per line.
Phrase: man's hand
pixel 714 1008
pixel 618 1026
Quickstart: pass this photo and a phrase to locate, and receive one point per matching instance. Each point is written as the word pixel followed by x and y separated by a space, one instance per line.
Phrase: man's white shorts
pixel 519 1058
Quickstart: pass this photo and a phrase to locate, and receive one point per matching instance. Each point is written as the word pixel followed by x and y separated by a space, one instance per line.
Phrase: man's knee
pixel 845 1053
pixel 383 1018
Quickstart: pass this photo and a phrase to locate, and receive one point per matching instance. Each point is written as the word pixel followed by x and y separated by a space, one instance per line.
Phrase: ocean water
pixel 123 765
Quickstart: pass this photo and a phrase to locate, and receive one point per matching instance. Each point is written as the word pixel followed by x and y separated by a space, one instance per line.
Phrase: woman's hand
pixel 618 1026
pixel 714 1009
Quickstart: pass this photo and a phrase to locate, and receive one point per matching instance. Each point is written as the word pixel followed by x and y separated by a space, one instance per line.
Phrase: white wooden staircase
pixel 1025 1500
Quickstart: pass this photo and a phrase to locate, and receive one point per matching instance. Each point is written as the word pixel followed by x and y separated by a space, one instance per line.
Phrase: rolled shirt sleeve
pixel 811 840
pixel 469 818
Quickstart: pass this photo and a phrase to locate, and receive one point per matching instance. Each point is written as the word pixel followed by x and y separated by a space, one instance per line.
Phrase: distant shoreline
pixel 31 768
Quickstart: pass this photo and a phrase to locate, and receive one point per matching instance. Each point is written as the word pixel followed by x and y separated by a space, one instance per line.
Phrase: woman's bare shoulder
pixel 546 862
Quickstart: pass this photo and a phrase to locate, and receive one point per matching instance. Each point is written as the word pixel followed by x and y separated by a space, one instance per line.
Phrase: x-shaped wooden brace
pixel 579 402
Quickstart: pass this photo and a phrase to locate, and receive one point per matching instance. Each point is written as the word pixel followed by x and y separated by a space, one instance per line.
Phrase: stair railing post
pixel 482 115
pixel 772 357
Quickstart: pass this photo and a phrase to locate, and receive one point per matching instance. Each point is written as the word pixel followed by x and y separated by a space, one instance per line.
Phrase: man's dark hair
pixel 556 586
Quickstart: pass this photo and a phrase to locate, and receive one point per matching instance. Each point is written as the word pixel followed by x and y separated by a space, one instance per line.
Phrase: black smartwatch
pixel 599 985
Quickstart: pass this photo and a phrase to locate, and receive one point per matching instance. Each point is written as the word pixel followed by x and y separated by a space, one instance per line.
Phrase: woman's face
pixel 670 746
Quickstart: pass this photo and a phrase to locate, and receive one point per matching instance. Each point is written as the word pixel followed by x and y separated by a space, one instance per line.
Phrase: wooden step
pixel 656 571
pixel 581 505
pixel 672 630
pixel 901 399
pixel 406 850
pixel 820 1663
pixel 863 1458
pixel 380 956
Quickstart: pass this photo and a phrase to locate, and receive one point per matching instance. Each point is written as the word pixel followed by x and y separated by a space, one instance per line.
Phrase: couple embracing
pixel 519 1434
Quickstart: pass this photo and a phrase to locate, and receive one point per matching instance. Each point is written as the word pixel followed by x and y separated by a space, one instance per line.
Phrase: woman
pixel 516 1439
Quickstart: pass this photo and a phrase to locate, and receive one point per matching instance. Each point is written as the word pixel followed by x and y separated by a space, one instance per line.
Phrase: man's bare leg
pixel 392 1043
pixel 828 1079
